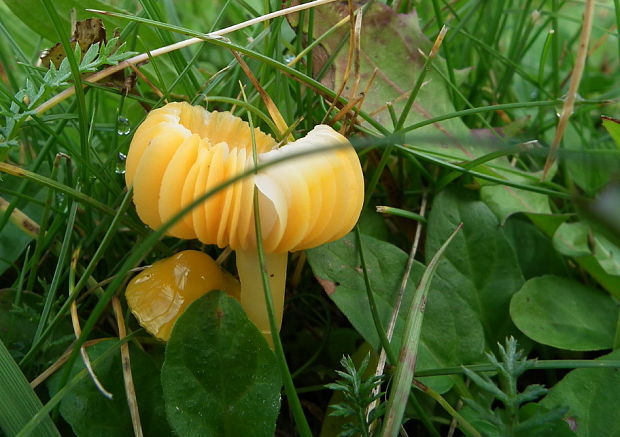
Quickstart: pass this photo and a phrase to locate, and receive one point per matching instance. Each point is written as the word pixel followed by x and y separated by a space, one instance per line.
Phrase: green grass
pixel 467 131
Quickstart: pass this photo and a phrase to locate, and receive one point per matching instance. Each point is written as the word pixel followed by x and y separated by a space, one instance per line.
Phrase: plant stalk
pixel 252 298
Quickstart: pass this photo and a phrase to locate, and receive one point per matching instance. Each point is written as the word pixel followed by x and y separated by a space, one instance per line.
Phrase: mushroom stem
pixel 252 296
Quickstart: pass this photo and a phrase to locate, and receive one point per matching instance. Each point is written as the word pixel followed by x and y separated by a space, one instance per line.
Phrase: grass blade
pixel 405 367
pixel 24 403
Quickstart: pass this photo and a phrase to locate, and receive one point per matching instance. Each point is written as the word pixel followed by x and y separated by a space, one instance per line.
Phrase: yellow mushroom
pixel 181 151
pixel 159 294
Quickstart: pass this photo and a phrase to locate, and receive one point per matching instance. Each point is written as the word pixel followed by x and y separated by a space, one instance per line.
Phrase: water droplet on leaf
pixel 120 165
pixel 122 126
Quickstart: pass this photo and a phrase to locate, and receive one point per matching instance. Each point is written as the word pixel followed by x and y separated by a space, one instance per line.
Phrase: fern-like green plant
pixel 358 396
pixel 517 415
pixel 38 87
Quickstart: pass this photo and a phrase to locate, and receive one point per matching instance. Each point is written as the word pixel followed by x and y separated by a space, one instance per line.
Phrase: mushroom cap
pixel 158 295
pixel 180 152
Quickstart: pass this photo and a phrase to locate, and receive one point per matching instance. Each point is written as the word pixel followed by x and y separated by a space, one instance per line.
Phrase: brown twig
pixel 575 79
pixel 130 390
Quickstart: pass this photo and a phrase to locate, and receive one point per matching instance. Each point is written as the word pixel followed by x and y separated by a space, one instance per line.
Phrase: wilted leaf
pixel 390 44
pixel 32 13
pixel 85 34
pixel 390 52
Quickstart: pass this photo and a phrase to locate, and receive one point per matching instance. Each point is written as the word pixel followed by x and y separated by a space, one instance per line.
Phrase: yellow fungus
pixel 159 294
pixel 181 151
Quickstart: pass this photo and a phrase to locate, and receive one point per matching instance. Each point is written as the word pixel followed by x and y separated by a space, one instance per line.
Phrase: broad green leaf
pixel 17 324
pixel 562 313
pixel 372 223
pixel 14 240
pixel 578 240
pixel 450 334
pixel 607 254
pixel 18 401
pixel 540 258
pixel 529 414
pixel 390 43
pixel 533 412
pixel 549 224
pixel 479 272
pixel 12 243
pixel 591 171
pixel 592 396
pixel 613 127
pixel 90 414
pixel 505 201
pixel 220 378
pixel 571 239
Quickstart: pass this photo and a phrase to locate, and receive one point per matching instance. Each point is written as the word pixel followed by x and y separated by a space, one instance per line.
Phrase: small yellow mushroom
pixel 181 151
pixel 159 294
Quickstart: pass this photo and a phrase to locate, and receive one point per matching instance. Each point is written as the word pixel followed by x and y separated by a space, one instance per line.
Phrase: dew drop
pixel 122 126
pixel 288 58
pixel 120 165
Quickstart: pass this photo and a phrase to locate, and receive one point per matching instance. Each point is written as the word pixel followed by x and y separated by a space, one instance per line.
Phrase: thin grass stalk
pixel 43 413
pixel 575 80
pixel 446 406
pixel 490 108
pixel 616 343
pixel 537 365
pixel 179 61
pixel 35 167
pixel 167 49
pixel 130 389
pixel 24 223
pixel 43 232
pixel 384 342
pixel 74 291
pixel 403 376
pixel 446 53
pixel 381 209
pixel 544 56
pixel 293 399
pixel 75 321
pixel 50 296
pixel 402 288
pixel 19 289
pixel 20 403
pixel 53 368
pixel 425 68
pixel 533 188
pixel 77 78
pixel 617 13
